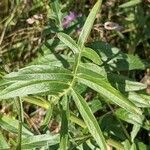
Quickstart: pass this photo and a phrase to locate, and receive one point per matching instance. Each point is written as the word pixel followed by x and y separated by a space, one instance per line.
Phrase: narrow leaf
pixel 91 55
pixel 88 24
pixel 24 88
pixel 56 12
pixel 109 93
pixel 89 119
pixel 130 3
pixel 140 100
pixel 129 117
pixel 135 131
pixel 69 42
pixel 48 116
pixel 92 70
pixel 120 82
pixel 38 141
pixel 39 70
pixel 39 101
pixel 64 124
pixel 124 84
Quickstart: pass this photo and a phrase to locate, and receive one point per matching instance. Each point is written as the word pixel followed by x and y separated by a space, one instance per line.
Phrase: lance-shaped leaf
pixel 89 119
pixel 39 101
pixel 40 72
pixel 24 88
pixel 88 24
pixel 64 124
pixel 38 141
pixel 91 55
pixel 120 82
pixel 131 3
pixel 135 131
pixel 124 84
pixel 140 100
pixel 108 92
pixel 92 70
pixel 69 42
pixel 129 117
pixel 36 79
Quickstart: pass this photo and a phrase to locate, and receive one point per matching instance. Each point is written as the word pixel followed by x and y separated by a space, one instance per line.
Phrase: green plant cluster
pixel 85 84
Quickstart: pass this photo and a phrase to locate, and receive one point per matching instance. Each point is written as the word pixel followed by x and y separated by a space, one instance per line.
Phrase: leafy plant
pixel 94 66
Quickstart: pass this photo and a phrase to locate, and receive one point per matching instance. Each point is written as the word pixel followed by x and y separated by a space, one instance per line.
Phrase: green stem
pixel 75 69
pixel 20 116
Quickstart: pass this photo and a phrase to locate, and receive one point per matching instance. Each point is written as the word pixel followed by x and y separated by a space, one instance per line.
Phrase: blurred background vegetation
pixel 21 41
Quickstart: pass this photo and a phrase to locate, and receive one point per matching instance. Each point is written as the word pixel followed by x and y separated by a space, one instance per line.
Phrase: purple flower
pixel 68 19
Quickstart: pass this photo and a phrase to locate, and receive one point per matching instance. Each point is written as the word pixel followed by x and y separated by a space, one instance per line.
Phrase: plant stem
pixel 20 116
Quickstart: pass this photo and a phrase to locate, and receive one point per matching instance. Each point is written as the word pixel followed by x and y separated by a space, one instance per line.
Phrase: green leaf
pixel 142 146
pixel 73 118
pixel 108 92
pixel 130 3
pixel 92 70
pixel 133 147
pixel 24 88
pixel 37 79
pixel 95 105
pixel 40 77
pixel 39 101
pixel 115 144
pixel 3 143
pixel 53 59
pixel 140 100
pixel 48 116
pixel 135 131
pixel 89 119
pixel 115 60
pixel 129 117
pixel 88 24
pixel 124 84
pixel 127 62
pixel 38 141
pixel 64 124
pixel 11 125
pixel 91 55
pixel 40 72
pixel 4 83
pixel 69 42
pixel 120 82
pixel 126 145
pixel 56 12
pixel 146 97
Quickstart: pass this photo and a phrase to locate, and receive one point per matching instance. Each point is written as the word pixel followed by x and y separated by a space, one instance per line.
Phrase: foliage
pixel 85 85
